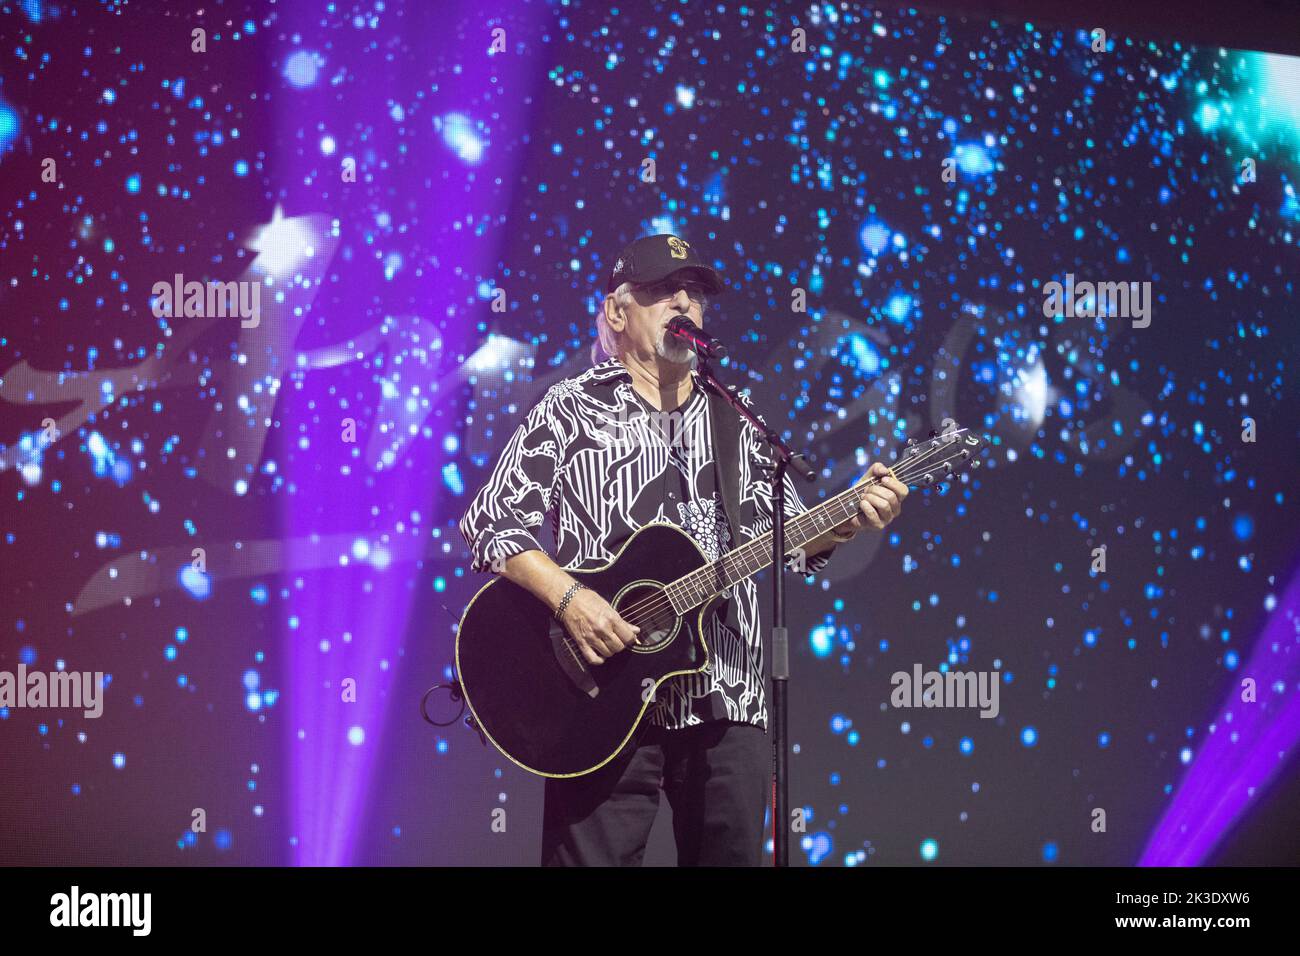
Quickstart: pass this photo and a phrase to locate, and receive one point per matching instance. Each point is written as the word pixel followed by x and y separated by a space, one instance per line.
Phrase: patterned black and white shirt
pixel 600 462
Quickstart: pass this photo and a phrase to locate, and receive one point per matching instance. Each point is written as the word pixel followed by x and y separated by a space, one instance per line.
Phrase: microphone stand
pixel 785 458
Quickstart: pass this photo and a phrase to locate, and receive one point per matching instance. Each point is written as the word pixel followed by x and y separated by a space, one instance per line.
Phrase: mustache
pixel 672 347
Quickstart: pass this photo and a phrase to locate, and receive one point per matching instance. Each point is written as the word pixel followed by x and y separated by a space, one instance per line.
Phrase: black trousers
pixel 718 776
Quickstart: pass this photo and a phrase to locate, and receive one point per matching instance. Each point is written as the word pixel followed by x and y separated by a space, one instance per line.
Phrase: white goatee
pixel 668 347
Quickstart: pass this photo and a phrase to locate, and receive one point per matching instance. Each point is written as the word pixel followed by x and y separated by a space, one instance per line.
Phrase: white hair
pixel 606 345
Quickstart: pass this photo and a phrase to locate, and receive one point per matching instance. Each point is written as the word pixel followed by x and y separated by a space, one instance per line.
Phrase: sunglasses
pixel 667 288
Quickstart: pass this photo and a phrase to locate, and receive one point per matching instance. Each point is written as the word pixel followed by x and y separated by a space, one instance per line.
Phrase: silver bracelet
pixel 574 588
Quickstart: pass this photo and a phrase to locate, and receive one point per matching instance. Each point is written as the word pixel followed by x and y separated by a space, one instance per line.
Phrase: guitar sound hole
pixel 645 605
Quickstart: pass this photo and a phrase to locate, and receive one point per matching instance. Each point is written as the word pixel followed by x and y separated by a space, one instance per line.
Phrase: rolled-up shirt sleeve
pixel 762 466
pixel 520 491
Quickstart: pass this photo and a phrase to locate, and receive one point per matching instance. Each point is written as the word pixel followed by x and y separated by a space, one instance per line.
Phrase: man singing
pixel 703 739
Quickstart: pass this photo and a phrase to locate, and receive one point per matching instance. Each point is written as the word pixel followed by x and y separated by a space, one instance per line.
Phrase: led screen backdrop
pixel 280 280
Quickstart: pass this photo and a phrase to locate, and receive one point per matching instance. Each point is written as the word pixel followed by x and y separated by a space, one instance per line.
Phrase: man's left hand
pixel 880 505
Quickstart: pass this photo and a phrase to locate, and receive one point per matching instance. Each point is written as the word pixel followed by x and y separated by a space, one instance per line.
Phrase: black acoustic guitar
pixel 540 702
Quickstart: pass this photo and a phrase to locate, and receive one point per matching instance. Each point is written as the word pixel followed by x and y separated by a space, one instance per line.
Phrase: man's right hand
pixel 597 627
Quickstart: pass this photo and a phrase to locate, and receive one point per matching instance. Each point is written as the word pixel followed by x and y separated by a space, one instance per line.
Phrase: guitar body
pixel 533 693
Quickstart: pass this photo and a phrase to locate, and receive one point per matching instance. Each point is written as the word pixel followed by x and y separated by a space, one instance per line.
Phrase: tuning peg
pixel 928 479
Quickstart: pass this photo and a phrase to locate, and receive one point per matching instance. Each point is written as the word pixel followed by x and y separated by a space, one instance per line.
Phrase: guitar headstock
pixel 939 458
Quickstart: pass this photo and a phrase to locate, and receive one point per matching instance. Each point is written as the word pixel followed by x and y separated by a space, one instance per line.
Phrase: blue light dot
pixel 974 159
pixel 821 639
pixel 874 237
pixel 195 582
pixel 302 68
pixel 452 479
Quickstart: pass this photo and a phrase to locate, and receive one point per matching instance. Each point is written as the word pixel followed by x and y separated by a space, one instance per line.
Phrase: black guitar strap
pixel 726 459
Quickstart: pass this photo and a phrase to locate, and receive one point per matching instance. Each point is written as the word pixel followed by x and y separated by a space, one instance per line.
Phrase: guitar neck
pixel 739 564
pixel 937 460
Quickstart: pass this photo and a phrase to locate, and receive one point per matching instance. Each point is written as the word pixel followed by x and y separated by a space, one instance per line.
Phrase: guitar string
pixel 634 615
pixel 663 598
pixel 905 471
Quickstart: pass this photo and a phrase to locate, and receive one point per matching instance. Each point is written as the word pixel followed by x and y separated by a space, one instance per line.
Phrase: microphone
pixel 705 345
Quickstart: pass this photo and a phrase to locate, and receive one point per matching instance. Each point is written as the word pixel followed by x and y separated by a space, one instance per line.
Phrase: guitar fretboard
pixel 705 583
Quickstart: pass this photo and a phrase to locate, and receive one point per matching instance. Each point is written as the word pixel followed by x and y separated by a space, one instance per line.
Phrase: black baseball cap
pixel 652 258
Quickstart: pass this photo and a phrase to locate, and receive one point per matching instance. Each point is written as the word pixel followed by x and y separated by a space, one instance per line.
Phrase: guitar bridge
pixel 570 660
